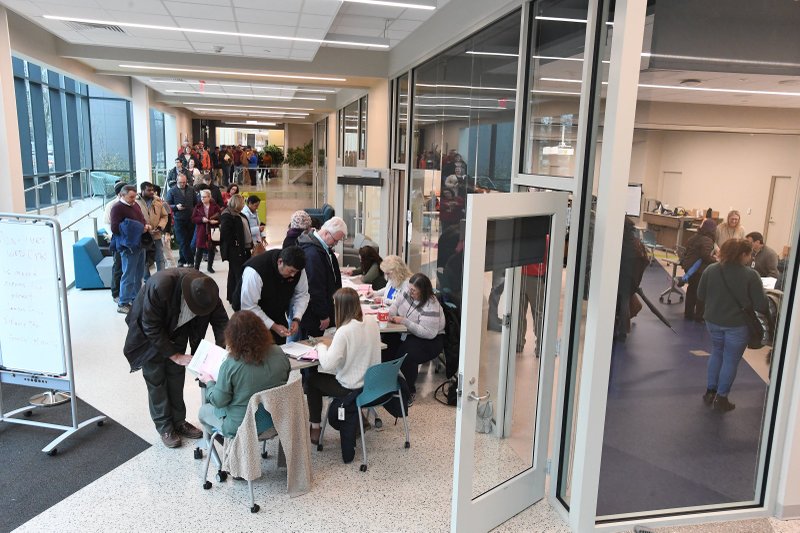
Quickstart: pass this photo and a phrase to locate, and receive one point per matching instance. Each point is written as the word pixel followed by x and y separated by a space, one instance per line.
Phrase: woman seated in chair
pixel 355 347
pixel 254 364
pixel 419 311
pixel 397 275
pixel 370 268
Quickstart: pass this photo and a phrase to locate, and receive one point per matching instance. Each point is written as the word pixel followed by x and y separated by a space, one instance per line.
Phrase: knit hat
pixel 300 220
pixel 118 187
pixel 708 226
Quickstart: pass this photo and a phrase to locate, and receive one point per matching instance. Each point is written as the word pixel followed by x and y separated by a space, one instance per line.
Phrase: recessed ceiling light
pixel 251 123
pixel 245 95
pixel 449 86
pixel 358 41
pixel 391 3
pixel 232 73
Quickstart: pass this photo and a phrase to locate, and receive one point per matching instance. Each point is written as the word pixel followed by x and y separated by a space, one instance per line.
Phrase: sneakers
pixel 124 309
pixel 708 397
pixel 722 404
pixel 315 433
pixel 170 439
pixel 679 281
pixel 189 431
pixel 411 397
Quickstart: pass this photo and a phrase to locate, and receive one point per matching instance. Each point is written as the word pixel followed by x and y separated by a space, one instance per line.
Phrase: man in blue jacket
pixel 181 199
pixel 322 271
pixel 127 227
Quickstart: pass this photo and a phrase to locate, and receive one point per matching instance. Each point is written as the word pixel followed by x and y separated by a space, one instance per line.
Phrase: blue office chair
pixel 381 385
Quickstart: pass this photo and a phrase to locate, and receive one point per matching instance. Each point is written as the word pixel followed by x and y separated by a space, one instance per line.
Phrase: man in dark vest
pixel 272 283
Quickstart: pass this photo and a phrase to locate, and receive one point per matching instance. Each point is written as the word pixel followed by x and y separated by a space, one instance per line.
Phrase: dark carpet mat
pixel 663 446
pixel 32 481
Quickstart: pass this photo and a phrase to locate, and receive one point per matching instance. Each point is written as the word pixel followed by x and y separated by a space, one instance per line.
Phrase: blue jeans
pixel 132 272
pixel 184 231
pixel 727 347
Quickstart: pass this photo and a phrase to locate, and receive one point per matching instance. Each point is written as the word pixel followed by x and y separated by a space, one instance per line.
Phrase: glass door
pixel 513 261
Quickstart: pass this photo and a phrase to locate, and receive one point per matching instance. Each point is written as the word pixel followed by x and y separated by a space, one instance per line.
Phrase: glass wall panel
pixel 350 132
pixel 691 414
pixel 321 162
pixel 463 116
pixel 362 129
pixel 110 136
pixel 401 114
pixel 158 148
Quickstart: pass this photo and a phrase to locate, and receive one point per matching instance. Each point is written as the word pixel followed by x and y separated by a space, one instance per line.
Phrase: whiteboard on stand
pixel 31 333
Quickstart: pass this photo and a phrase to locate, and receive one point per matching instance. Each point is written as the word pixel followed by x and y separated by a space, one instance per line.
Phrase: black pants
pixel 184 230
pixel 116 275
pixel 694 308
pixel 320 385
pixel 235 269
pixel 416 350
pixel 198 256
pixel 165 381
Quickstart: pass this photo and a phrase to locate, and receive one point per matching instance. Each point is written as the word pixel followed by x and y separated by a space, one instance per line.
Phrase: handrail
pixel 51 180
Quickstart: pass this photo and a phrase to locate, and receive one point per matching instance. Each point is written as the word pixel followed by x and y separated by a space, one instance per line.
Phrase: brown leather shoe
pixel 170 439
pixel 189 431
pixel 315 433
pixel 722 404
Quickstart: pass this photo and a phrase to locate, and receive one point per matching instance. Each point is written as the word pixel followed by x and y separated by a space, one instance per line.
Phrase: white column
pixel 12 197
pixel 141 130
pixel 623 79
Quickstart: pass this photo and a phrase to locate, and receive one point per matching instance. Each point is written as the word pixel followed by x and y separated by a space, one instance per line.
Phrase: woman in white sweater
pixel 397 274
pixel 355 347
pixel 419 311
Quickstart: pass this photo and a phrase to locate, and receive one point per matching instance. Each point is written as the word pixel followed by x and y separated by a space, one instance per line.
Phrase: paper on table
pixel 298 350
pixel 208 358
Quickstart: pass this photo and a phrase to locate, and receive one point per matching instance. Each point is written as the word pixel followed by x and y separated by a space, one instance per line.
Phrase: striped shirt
pixel 426 322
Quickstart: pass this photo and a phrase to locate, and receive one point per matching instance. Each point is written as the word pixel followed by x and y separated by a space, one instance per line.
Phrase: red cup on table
pixel 383 317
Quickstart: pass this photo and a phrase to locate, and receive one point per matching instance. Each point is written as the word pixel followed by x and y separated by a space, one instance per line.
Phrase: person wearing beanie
pixel 300 223
pixel 698 255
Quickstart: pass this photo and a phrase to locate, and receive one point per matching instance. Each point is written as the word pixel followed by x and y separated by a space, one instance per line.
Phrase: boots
pixel 708 397
pixel 722 404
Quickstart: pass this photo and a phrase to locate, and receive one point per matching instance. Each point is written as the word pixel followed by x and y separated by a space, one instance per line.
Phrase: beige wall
pixel 298 134
pixel 332 143
pixel 378 126
pixel 719 170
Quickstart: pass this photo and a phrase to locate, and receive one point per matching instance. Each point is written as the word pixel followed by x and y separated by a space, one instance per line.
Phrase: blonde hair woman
pixel 397 276
pixel 355 347
pixel 730 229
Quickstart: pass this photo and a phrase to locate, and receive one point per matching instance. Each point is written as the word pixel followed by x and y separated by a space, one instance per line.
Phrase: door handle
pixel 471 396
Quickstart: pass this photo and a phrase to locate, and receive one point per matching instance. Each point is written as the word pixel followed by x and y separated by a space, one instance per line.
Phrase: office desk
pixel 668 228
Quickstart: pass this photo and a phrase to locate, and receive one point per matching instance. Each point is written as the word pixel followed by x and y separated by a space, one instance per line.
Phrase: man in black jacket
pixel 182 199
pixel 175 307
pixel 273 283
pixel 172 177
pixel 324 277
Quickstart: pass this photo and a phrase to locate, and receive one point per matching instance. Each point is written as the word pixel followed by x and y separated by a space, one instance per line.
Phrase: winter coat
pixel 203 231
pixel 232 237
pixel 324 279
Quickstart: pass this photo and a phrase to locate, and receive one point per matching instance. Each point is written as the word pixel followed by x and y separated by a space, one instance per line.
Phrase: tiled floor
pixel 160 489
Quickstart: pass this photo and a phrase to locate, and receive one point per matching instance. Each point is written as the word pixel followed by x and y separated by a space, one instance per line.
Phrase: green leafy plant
pixel 276 153
pixel 302 156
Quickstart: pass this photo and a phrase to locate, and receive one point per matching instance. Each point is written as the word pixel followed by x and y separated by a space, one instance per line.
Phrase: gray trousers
pixel 208 419
pixel 533 296
pixel 165 381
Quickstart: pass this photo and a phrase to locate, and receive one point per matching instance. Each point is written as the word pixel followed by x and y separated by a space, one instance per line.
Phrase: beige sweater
pixel 725 232
pixel 287 405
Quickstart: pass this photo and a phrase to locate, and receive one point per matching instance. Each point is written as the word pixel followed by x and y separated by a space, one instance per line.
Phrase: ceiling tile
pixel 138 18
pixel 363 22
pixel 267 29
pixel 198 11
pixel 277 18
pixel 284 5
pixel 215 39
pixel 155 7
pixel 96 4
pixel 404 24
pixel 321 7
pixel 201 24
pixel 315 21
pixel 365 10
pixel 84 11
pixel 363 32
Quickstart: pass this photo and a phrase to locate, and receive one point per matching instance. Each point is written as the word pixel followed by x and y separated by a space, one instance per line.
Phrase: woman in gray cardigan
pixel 726 287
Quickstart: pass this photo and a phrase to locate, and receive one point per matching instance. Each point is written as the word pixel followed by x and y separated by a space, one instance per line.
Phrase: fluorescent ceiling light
pixel 714 90
pixel 540 91
pixel 566 19
pixel 251 123
pixel 244 86
pixel 232 73
pixel 245 95
pixel 469 98
pixel 337 40
pixel 552 58
pixel 501 54
pixel 560 80
pixel 462 106
pixel 392 3
pixel 446 86
pixel 255 106
pixel 271 113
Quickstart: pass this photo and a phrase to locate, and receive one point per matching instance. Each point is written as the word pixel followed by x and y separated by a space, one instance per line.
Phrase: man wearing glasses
pixel 322 271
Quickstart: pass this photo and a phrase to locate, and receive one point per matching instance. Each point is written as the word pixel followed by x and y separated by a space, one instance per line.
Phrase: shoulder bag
pixel 753 323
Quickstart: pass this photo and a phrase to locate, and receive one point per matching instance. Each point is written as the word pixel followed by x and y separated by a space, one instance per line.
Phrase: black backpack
pixel 452 335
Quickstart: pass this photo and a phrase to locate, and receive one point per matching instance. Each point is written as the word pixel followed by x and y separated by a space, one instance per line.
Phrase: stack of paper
pixel 298 350
pixel 208 358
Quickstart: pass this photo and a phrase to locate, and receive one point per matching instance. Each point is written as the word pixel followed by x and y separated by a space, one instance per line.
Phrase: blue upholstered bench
pixel 92 270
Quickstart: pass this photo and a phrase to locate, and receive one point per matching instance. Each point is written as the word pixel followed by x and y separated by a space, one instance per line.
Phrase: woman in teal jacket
pixel 254 364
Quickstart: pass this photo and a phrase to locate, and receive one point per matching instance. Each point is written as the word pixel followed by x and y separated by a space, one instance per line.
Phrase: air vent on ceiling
pixel 87 26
